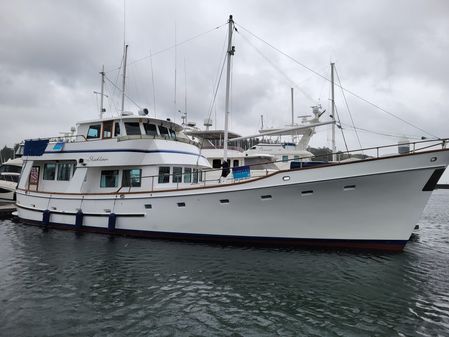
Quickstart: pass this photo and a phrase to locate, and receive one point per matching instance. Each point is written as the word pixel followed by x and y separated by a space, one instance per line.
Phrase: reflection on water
pixel 58 283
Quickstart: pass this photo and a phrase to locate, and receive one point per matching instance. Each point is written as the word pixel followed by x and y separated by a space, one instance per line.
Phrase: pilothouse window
pixel 94 131
pixel 132 129
pixel 150 129
pixel 107 129
pixel 164 131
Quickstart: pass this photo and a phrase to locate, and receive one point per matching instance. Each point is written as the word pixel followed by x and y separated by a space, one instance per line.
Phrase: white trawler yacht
pixel 142 176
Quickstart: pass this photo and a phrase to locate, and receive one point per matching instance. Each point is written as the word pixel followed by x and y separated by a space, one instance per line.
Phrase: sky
pixel 391 53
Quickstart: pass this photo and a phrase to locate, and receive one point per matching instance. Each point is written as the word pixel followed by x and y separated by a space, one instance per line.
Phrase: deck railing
pixel 351 155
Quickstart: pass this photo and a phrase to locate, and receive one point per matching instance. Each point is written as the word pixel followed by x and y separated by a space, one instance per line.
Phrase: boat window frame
pixel 177 177
pixel 156 129
pixel 164 175
pixel 110 129
pixel 162 134
pixel 187 174
pixel 71 165
pixel 94 127
pixel 116 178
pixel 214 163
pixel 45 171
pixel 116 128
pixel 126 183
pixel 133 134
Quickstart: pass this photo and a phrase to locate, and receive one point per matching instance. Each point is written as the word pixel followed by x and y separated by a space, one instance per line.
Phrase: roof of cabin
pixel 131 118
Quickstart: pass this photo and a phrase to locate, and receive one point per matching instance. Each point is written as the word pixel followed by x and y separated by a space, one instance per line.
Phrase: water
pixel 57 283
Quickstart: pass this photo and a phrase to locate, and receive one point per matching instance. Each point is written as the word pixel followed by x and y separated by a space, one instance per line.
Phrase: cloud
pixel 392 53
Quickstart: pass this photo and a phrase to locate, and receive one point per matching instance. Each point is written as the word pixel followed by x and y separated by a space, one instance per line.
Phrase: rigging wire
pixel 177 44
pixel 341 128
pixel 276 68
pixel 113 84
pixel 381 133
pixel 347 107
pixel 347 90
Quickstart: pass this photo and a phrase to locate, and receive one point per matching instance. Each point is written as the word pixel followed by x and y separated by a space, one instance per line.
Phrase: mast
pixel 293 114
pixel 124 79
pixel 334 149
pixel 231 51
pixel 102 92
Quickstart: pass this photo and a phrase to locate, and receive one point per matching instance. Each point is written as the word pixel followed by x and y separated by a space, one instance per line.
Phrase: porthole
pixel 224 201
pixel 266 197
pixel 181 204
pixel 148 206
pixel 286 178
pixel 349 188
pixel 433 159
pixel 306 193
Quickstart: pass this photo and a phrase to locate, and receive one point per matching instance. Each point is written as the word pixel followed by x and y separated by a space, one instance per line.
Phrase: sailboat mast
pixel 231 50
pixel 102 92
pixel 124 79
pixel 334 149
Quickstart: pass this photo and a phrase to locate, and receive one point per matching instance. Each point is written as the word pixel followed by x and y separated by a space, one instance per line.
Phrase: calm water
pixel 58 283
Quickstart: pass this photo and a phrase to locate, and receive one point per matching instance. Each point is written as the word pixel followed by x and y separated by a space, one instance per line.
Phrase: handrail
pixel 203 172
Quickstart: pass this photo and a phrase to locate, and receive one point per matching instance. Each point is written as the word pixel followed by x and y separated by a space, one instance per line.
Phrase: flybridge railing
pixel 199 178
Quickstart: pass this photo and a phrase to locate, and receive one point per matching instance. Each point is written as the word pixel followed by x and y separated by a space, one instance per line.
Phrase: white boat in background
pixel 142 176
pixel 9 177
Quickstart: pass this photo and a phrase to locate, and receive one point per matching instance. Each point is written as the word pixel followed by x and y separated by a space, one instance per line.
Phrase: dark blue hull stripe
pixel 384 245
pixel 125 150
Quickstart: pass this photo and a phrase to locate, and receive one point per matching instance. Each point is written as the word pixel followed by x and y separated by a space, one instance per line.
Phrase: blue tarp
pixel 35 147
pixel 241 172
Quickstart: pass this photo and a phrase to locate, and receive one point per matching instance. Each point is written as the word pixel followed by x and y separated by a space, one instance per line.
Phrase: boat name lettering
pixel 99 158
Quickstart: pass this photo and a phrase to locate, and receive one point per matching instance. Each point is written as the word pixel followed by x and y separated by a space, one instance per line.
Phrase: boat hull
pixel 367 204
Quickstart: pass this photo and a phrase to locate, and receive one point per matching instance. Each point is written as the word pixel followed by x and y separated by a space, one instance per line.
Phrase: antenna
pixel 174 101
pixel 185 89
pixel 124 79
pixel 152 80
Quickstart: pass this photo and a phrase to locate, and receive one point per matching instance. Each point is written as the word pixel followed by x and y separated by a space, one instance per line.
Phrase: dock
pixel 6 210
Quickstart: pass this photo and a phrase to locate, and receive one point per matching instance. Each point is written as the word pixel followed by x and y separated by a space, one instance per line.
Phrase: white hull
pixel 377 202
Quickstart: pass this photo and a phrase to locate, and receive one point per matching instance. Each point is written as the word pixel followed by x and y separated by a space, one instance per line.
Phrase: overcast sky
pixel 393 53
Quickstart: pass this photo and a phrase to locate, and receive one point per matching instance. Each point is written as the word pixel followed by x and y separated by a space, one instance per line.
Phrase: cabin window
pixel 195 176
pixel 172 133
pixel 150 129
pixel 187 175
pixel 94 131
pixel 132 128
pixel 109 178
pixel 216 163
pixel 107 129
pixel 164 175
pixel 284 158
pixel 164 131
pixel 116 129
pixel 49 171
pixel 235 163
pixel 132 178
pixel 64 171
pixel 177 174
